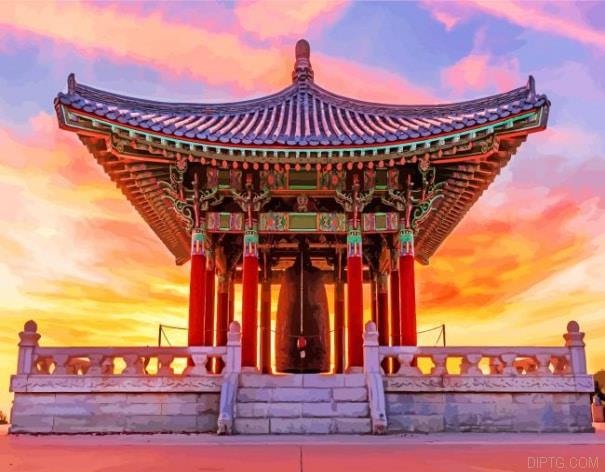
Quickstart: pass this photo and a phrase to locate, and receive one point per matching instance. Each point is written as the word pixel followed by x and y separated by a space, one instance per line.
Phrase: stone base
pixel 302 404
pixel 418 412
pixel 114 412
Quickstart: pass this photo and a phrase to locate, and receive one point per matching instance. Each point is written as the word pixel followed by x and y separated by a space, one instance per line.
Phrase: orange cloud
pixel 497 254
pixel 273 19
pixel 74 255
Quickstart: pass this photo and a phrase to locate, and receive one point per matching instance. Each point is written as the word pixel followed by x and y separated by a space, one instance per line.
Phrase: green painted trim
pixel 229 150
pixel 301 187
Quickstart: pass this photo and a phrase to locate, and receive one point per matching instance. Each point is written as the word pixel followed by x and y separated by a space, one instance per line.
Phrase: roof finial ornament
pixel 531 86
pixel 71 83
pixel 302 67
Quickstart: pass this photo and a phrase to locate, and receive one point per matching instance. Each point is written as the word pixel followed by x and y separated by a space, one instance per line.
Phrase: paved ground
pixel 209 453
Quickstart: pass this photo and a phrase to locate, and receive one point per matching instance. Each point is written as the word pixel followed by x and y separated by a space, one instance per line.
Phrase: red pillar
pixel 373 298
pixel 395 324
pixel 231 308
pixel 406 288
pixel 339 326
pixel 382 308
pixel 265 326
pixel 197 290
pixel 354 299
pixel 249 298
pixel 222 309
pixel 210 287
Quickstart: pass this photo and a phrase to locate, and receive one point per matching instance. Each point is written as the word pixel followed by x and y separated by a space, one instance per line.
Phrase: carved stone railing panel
pixel 102 361
pixel 490 368
pixel 90 369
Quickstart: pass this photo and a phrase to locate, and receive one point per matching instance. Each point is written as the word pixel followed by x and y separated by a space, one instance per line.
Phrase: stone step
pixel 301 394
pixel 302 425
pixel 303 409
pixel 302 380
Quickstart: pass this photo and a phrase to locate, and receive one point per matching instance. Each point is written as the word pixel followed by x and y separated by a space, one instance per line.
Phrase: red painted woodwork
pixel 209 314
pixel 407 300
pixel 222 311
pixel 373 299
pixel 197 300
pixel 265 325
pixel 382 312
pixel 231 300
pixel 354 311
pixel 249 305
pixel 395 315
pixel 339 326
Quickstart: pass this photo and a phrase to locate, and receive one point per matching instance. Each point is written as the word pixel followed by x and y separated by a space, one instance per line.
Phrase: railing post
pixel 371 356
pixel 29 338
pixel 233 367
pixel 574 340
pixel 374 381
pixel 233 362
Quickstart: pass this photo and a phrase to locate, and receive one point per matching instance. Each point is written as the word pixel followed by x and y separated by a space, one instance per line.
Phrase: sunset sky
pixel 78 259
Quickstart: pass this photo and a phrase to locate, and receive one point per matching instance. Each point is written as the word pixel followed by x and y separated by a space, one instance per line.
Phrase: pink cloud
pixel 286 19
pixel 174 48
pixel 449 14
pixel 481 72
pixel 557 18
pixel 180 49
pixel 352 79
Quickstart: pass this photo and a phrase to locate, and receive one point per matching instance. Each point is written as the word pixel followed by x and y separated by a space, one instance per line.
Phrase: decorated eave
pixel 303 127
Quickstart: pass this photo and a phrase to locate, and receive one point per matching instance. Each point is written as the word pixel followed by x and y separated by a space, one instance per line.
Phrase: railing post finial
pixel 574 340
pixel 28 342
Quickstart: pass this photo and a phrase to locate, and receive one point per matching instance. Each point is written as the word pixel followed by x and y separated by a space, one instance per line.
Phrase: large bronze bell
pixel 306 349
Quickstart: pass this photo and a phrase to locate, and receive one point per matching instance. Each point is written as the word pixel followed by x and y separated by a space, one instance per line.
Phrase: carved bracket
pixel 416 204
pixel 188 204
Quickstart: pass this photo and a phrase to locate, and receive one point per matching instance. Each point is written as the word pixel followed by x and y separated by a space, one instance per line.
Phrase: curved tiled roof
pixel 301 115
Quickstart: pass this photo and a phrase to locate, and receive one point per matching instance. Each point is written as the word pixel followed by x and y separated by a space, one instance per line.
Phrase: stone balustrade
pixel 59 369
pixel 486 368
pixel 476 388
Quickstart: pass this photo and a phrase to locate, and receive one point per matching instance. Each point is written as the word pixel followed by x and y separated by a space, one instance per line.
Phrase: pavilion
pixel 243 189
pixel 304 189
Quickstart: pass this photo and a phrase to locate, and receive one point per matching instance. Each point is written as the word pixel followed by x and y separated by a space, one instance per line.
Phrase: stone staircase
pixel 302 404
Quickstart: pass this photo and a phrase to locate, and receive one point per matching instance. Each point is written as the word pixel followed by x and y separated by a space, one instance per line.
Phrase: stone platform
pixel 142 390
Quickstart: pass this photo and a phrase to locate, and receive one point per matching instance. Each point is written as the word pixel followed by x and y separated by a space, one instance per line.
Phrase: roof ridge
pixel 89 92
